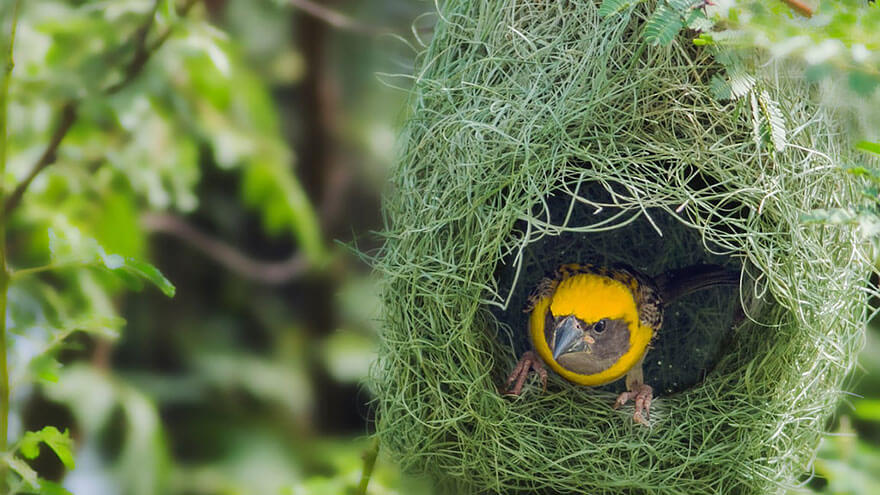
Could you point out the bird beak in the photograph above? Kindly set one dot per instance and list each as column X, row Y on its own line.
column 568, row 337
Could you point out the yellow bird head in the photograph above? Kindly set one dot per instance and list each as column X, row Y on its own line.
column 587, row 329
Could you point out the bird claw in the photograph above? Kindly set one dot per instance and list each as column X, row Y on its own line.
column 643, row 395
column 527, row 363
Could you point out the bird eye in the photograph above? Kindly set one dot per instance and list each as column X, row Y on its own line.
column 599, row 327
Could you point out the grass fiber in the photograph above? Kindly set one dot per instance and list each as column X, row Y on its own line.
column 540, row 132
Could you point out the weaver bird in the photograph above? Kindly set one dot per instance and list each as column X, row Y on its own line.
column 593, row 325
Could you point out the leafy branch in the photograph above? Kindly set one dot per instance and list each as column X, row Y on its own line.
column 68, row 114
column 29, row 446
column 129, row 270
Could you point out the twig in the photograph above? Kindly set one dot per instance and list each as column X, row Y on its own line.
column 369, row 463
column 140, row 54
column 260, row 271
column 68, row 117
column 334, row 18
column 68, row 114
column 800, row 7
column 4, row 274
column 34, row 270
column 143, row 50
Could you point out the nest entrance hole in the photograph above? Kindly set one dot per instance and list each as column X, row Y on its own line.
column 589, row 228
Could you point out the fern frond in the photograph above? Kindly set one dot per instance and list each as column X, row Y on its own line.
column 681, row 6
column 758, row 130
column 730, row 37
column 741, row 83
column 610, row 7
column 663, row 25
column 773, row 119
column 698, row 21
column 737, row 84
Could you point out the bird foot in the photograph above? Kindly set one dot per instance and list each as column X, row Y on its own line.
column 642, row 394
column 527, row 363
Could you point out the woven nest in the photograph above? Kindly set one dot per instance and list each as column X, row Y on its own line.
column 542, row 133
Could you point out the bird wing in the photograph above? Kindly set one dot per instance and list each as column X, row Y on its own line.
column 674, row 284
column 649, row 299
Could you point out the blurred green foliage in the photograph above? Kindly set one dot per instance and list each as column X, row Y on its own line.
column 849, row 457
column 239, row 386
column 190, row 113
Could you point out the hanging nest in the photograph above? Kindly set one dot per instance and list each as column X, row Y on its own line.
column 542, row 133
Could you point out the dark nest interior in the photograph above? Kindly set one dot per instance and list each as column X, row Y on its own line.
column 695, row 328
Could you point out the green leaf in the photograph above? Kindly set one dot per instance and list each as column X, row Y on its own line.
column 167, row 11
column 103, row 326
column 867, row 409
column 872, row 174
column 115, row 223
column 698, row 21
column 704, row 39
column 817, row 72
column 59, row 442
column 737, row 82
column 209, row 40
column 271, row 186
column 52, row 488
column 45, row 367
column 663, row 25
column 726, row 38
column 609, row 7
column 150, row 273
column 73, row 249
column 111, row 261
column 869, row 147
column 741, row 83
column 759, row 130
column 863, row 83
column 23, row 469
column 871, row 193
column 720, row 88
column 681, row 6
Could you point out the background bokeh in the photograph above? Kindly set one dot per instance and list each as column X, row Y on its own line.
column 246, row 160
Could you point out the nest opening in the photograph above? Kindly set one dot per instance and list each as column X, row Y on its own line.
column 588, row 227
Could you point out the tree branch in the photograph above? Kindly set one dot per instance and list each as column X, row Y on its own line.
column 143, row 50
column 799, row 7
column 69, row 111
column 272, row 273
column 68, row 117
column 334, row 18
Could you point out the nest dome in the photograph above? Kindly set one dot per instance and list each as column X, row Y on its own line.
column 541, row 133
